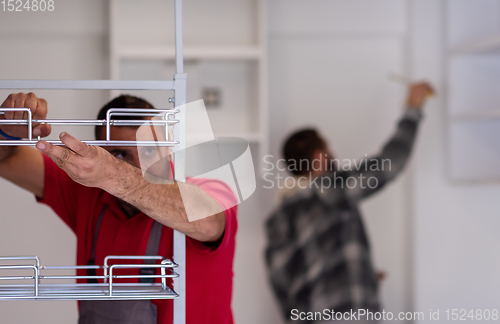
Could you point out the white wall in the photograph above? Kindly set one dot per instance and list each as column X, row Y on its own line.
column 455, row 224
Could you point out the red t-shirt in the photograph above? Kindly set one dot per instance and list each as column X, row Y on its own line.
column 209, row 271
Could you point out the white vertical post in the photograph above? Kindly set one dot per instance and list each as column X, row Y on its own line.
column 113, row 42
column 179, row 63
column 179, row 244
column 114, row 60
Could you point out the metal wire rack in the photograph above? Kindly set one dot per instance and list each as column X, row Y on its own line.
column 167, row 120
column 109, row 289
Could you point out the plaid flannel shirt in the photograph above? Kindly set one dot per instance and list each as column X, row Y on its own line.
column 318, row 254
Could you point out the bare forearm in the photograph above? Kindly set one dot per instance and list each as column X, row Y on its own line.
column 6, row 151
column 181, row 206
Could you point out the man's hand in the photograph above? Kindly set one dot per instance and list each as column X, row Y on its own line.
column 418, row 93
column 91, row 166
column 38, row 107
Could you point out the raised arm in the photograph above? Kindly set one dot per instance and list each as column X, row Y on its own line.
column 375, row 172
column 193, row 212
column 23, row 165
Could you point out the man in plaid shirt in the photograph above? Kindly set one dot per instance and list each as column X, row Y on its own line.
column 318, row 254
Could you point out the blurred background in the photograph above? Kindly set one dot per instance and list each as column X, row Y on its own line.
column 266, row 68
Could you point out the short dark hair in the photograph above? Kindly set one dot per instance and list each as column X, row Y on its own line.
column 123, row 101
column 300, row 146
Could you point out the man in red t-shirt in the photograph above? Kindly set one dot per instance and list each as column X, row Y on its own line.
column 83, row 183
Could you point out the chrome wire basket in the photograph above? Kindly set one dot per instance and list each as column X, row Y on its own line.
column 42, row 286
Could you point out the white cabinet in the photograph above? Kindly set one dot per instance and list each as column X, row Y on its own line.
column 473, row 62
column 224, row 52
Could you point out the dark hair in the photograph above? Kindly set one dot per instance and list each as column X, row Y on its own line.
column 123, row 101
column 300, row 147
